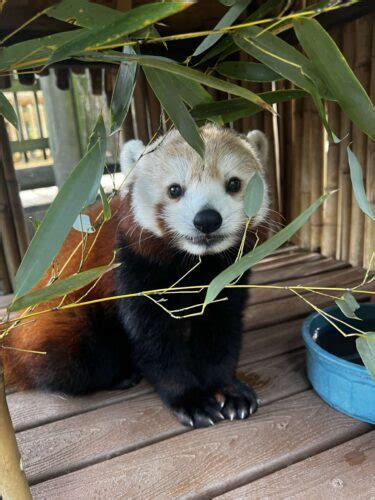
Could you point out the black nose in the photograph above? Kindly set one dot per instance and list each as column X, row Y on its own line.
column 207, row 221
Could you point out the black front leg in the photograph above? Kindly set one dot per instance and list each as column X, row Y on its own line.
column 161, row 348
column 216, row 345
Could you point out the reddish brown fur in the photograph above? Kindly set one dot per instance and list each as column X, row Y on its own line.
column 40, row 333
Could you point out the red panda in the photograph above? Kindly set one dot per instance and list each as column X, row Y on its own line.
column 175, row 208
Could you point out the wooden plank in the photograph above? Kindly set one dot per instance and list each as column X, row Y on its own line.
column 74, row 443
column 274, row 257
column 294, row 271
column 287, row 260
column 206, row 461
column 334, row 278
column 269, row 313
column 346, row 471
column 32, row 408
column 271, row 341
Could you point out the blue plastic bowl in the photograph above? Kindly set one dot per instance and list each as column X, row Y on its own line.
column 344, row 385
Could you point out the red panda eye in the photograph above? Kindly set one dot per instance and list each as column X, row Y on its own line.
column 175, row 191
column 233, row 185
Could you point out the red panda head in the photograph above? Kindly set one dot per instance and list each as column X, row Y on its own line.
column 197, row 204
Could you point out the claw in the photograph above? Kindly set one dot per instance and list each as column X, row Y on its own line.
column 220, row 398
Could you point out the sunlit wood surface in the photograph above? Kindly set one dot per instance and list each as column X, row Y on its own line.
column 125, row 444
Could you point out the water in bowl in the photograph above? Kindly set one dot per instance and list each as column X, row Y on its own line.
column 332, row 341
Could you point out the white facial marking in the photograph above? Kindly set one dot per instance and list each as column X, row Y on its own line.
column 171, row 161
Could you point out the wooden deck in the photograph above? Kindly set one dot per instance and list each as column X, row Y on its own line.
column 125, row 444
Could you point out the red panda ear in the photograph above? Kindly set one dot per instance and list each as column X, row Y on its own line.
column 130, row 153
column 259, row 142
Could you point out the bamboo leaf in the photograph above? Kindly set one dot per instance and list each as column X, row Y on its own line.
column 287, row 61
column 366, row 349
column 35, row 52
column 233, row 109
column 99, row 134
column 332, row 68
column 59, row 288
column 82, row 13
column 346, row 309
column 6, row 109
column 226, row 46
column 114, row 32
column 123, row 92
column 279, row 56
column 171, row 66
column 248, row 71
column 227, row 20
column 83, row 224
column 107, row 214
column 191, row 92
column 58, row 221
column 254, row 195
column 351, row 301
column 358, row 185
column 260, row 252
column 168, row 94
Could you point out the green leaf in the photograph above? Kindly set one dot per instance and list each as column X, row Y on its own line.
column 99, row 134
column 191, row 92
column 366, row 349
column 35, row 52
column 227, row 20
column 254, row 195
column 358, row 186
column 82, row 13
column 83, row 224
column 260, row 252
column 248, row 71
column 332, row 68
column 346, row 309
column 285, row 60
column 171, row 66
column 351, row 301
column 168, row 94
column 59, row 288
column 123, row 92
column 226, row 46
column 58, row 221
column 227, row 3
column 117, row 30
column 7, row 111
column 107, row 214
column 234, row 109
column 278, row 55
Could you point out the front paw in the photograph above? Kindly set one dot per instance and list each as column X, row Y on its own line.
column 196, row 410
column 237, row 401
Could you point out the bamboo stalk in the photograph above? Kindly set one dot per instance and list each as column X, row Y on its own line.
column 305, row 179
column 345, row 190
column 295, row 166
column 140, row 108
column 362, row 71
column 12, row 189
column 154, row 110
column 331, row 180
column 316, row 158
column 369, row 236
column 13, row 482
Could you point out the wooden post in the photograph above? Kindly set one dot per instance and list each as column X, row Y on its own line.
column 141, row 118
column 304, row 191
column 62, row 128
column 13, row 482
